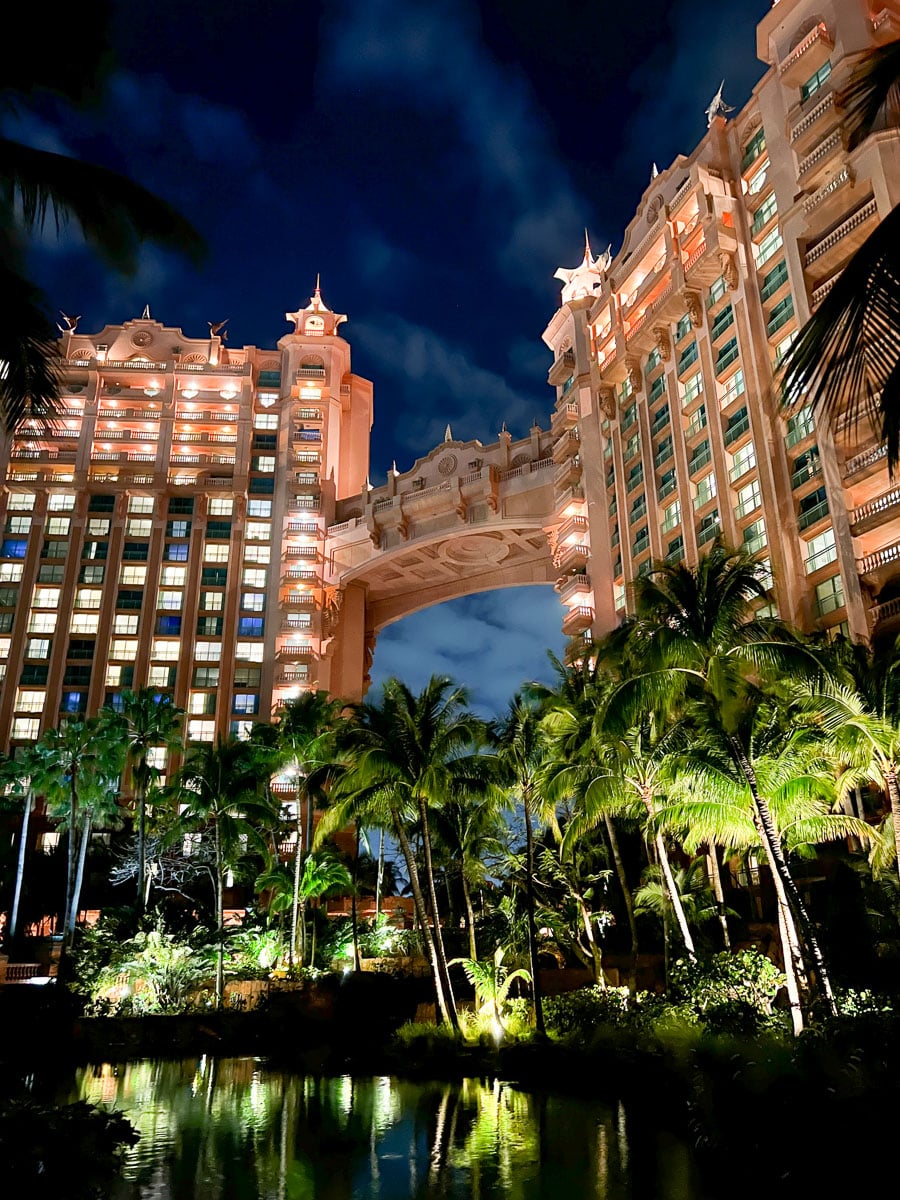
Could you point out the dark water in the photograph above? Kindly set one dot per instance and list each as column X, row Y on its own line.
column 229, row 1129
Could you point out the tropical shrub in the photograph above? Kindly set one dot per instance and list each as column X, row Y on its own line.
column 157, row 973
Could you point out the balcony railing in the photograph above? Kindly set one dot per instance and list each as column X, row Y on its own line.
column 811, row 515
column 881, row 558
column 737, row 430
column 821, row 152
column 882, row 505
column 882, row 612
column 867, row 459
column 837, row 235
column 708, row 532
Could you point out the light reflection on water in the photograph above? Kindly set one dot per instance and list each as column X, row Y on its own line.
column 230, row 1129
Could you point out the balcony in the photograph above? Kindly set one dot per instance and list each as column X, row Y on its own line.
column 572, row 557
column 307, row 575
column 289, row 676
column 872, row 563
column 562, row 368
column 566, row 446
column 807, row 56
column 735, row 430
column 568, row 474
column 809, row 121
column 570, row 586
column 295, row 652
column 293, row 553
column 882, row 508
column 316, row 373
column 699, row 461
column 574, row 527
column 862, row 465
column 306, row 527
column 708, row 532
column 565, row 417
column 843, row 241
column 578, row 619
column 880, row 614
column 812, row 516
column 572, row 495
column 811, row 168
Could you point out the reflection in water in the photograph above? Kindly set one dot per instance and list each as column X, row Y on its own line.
column 229, row 1129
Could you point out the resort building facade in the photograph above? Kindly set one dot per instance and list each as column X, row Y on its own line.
column 665, row 355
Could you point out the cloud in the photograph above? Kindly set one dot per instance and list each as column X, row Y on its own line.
column 430, row 57
column 492, row 643
column 435, row 381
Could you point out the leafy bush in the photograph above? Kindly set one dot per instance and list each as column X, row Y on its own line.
column 579, row 1012
column 416, row 1036
column 156, row 973
column 746, row 978
column 863, row 1003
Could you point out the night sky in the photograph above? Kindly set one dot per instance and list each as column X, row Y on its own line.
column 435, row 161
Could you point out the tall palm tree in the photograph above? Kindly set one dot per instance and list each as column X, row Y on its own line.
column 221, row 795
column 847, row 356
column 114, row 215
column 147, row 721
column 16, row 780
column 698, row 641
column 521, row 748
column 405, row 756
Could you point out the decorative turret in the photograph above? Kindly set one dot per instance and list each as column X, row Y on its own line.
column 317, row 319
column 587, row 277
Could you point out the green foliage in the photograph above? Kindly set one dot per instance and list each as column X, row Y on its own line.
column 50, row 1151
column 742, row 978
column 418, row 1037
column 157, row 972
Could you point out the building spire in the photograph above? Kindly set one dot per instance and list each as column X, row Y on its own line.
column 448, row 433
column 587, row 246
column 145, row 315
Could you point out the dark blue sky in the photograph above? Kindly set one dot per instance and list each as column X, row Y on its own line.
column 436, row 160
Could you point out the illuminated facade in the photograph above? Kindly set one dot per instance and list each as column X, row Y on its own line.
column 170, row 529
column 664, row 355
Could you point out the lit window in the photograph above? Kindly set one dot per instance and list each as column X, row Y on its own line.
column 820, row 551
column 250, row 626
column 749, row 499
column 249, row 651
column 157, row 757
column 242, row 729
column 85, row 623
column 769, row 245
column 208, row 651
column 706, row 489
column 245, row 702
column 133, row 574
column 161, row 677
column 178, row 529
column 259, row 531
column 30, row 702
column 113, row 675
column 5, row 644
column 46, row 597
column 37, row 648
column 743, row 461
column 165, row 649
column 10, row 572
column 26, row 729
column 171, row 601
column 258, row 554
column 125, row 623
column 202, row 704
column 18, row 525
column 125, row 648
column 265, row 420
column 201, row 731
column 829, row 596
column 176, row 551
column 253, row 601
column 21, row 502
column 59, row 526
column 206, row 677
column 138, row 527
column 140, row 504
column 693, row 387
column 259, row 508
column 98, row 527
column 173, row 576
column 254, row 578
column 219, row 506
column 42, row 622
column 215, row 552
column 212, row 601
column 264, row 463
column 60, row 502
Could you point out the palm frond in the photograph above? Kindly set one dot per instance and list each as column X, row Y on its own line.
column 869, row 90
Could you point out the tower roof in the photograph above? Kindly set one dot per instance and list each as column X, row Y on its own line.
column 584, row 279
column 317, row 318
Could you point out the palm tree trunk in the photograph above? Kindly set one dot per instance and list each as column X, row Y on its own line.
column 537, row 995
column 432, row 895
column 790, row 952
column 220, row 920
column 142, row 845
column 778, row 866
column 674, row 897
column 20, row 865
column 596, row 954
column 893, row 788
column 354, row 924
column 79, row 875
column 379, row 878
column 448, row 1014
column 712, row 858
column 70, row 858
column 621, row 876
column 470, row 916
column 295, row 903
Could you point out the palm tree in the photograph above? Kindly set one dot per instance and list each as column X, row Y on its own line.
column 147, row 721
column 847, row 356
column 322, row 875
column 114, row 215
column 405, row 756
column 15, row 778
column 220, row 791
column 521, row 748
column 698, row 641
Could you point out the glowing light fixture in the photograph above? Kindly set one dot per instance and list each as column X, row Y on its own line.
column 189, row 393
column 152, row 390
column 228, row 393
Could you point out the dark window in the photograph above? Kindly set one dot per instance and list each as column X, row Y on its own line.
column 250, row 627
column 114, row 701
column 247, row 677
column 178, row 529
column 176, row 552
column 77, row 676
column 32, row 673
column 265, row 441
column 135, row 552
column 88, row 574
column 54, row 549
column 81, row 648
column 14, row 547
column 218, row 529
column 9, row 597
column 130, row 598
column 73, row 702
column 184, row 505
column 52, row 574
column 214, row 576
column 168, row 625
column 261, row 485
column 104, row 504
column 126, row 676
column 268, row 379
column 206, row 677
column 209, row 626
column 94, row 549
column 6, row 622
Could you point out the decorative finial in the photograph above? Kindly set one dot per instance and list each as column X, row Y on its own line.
column 587, row 246
column 318, row 291
column 448, row 433
column 503, row 428
column 717, row 107
column 216, row 327
column 145, row 315
column 71, row 323
column 654, row 171
column 394, row 470
column 368, row 487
